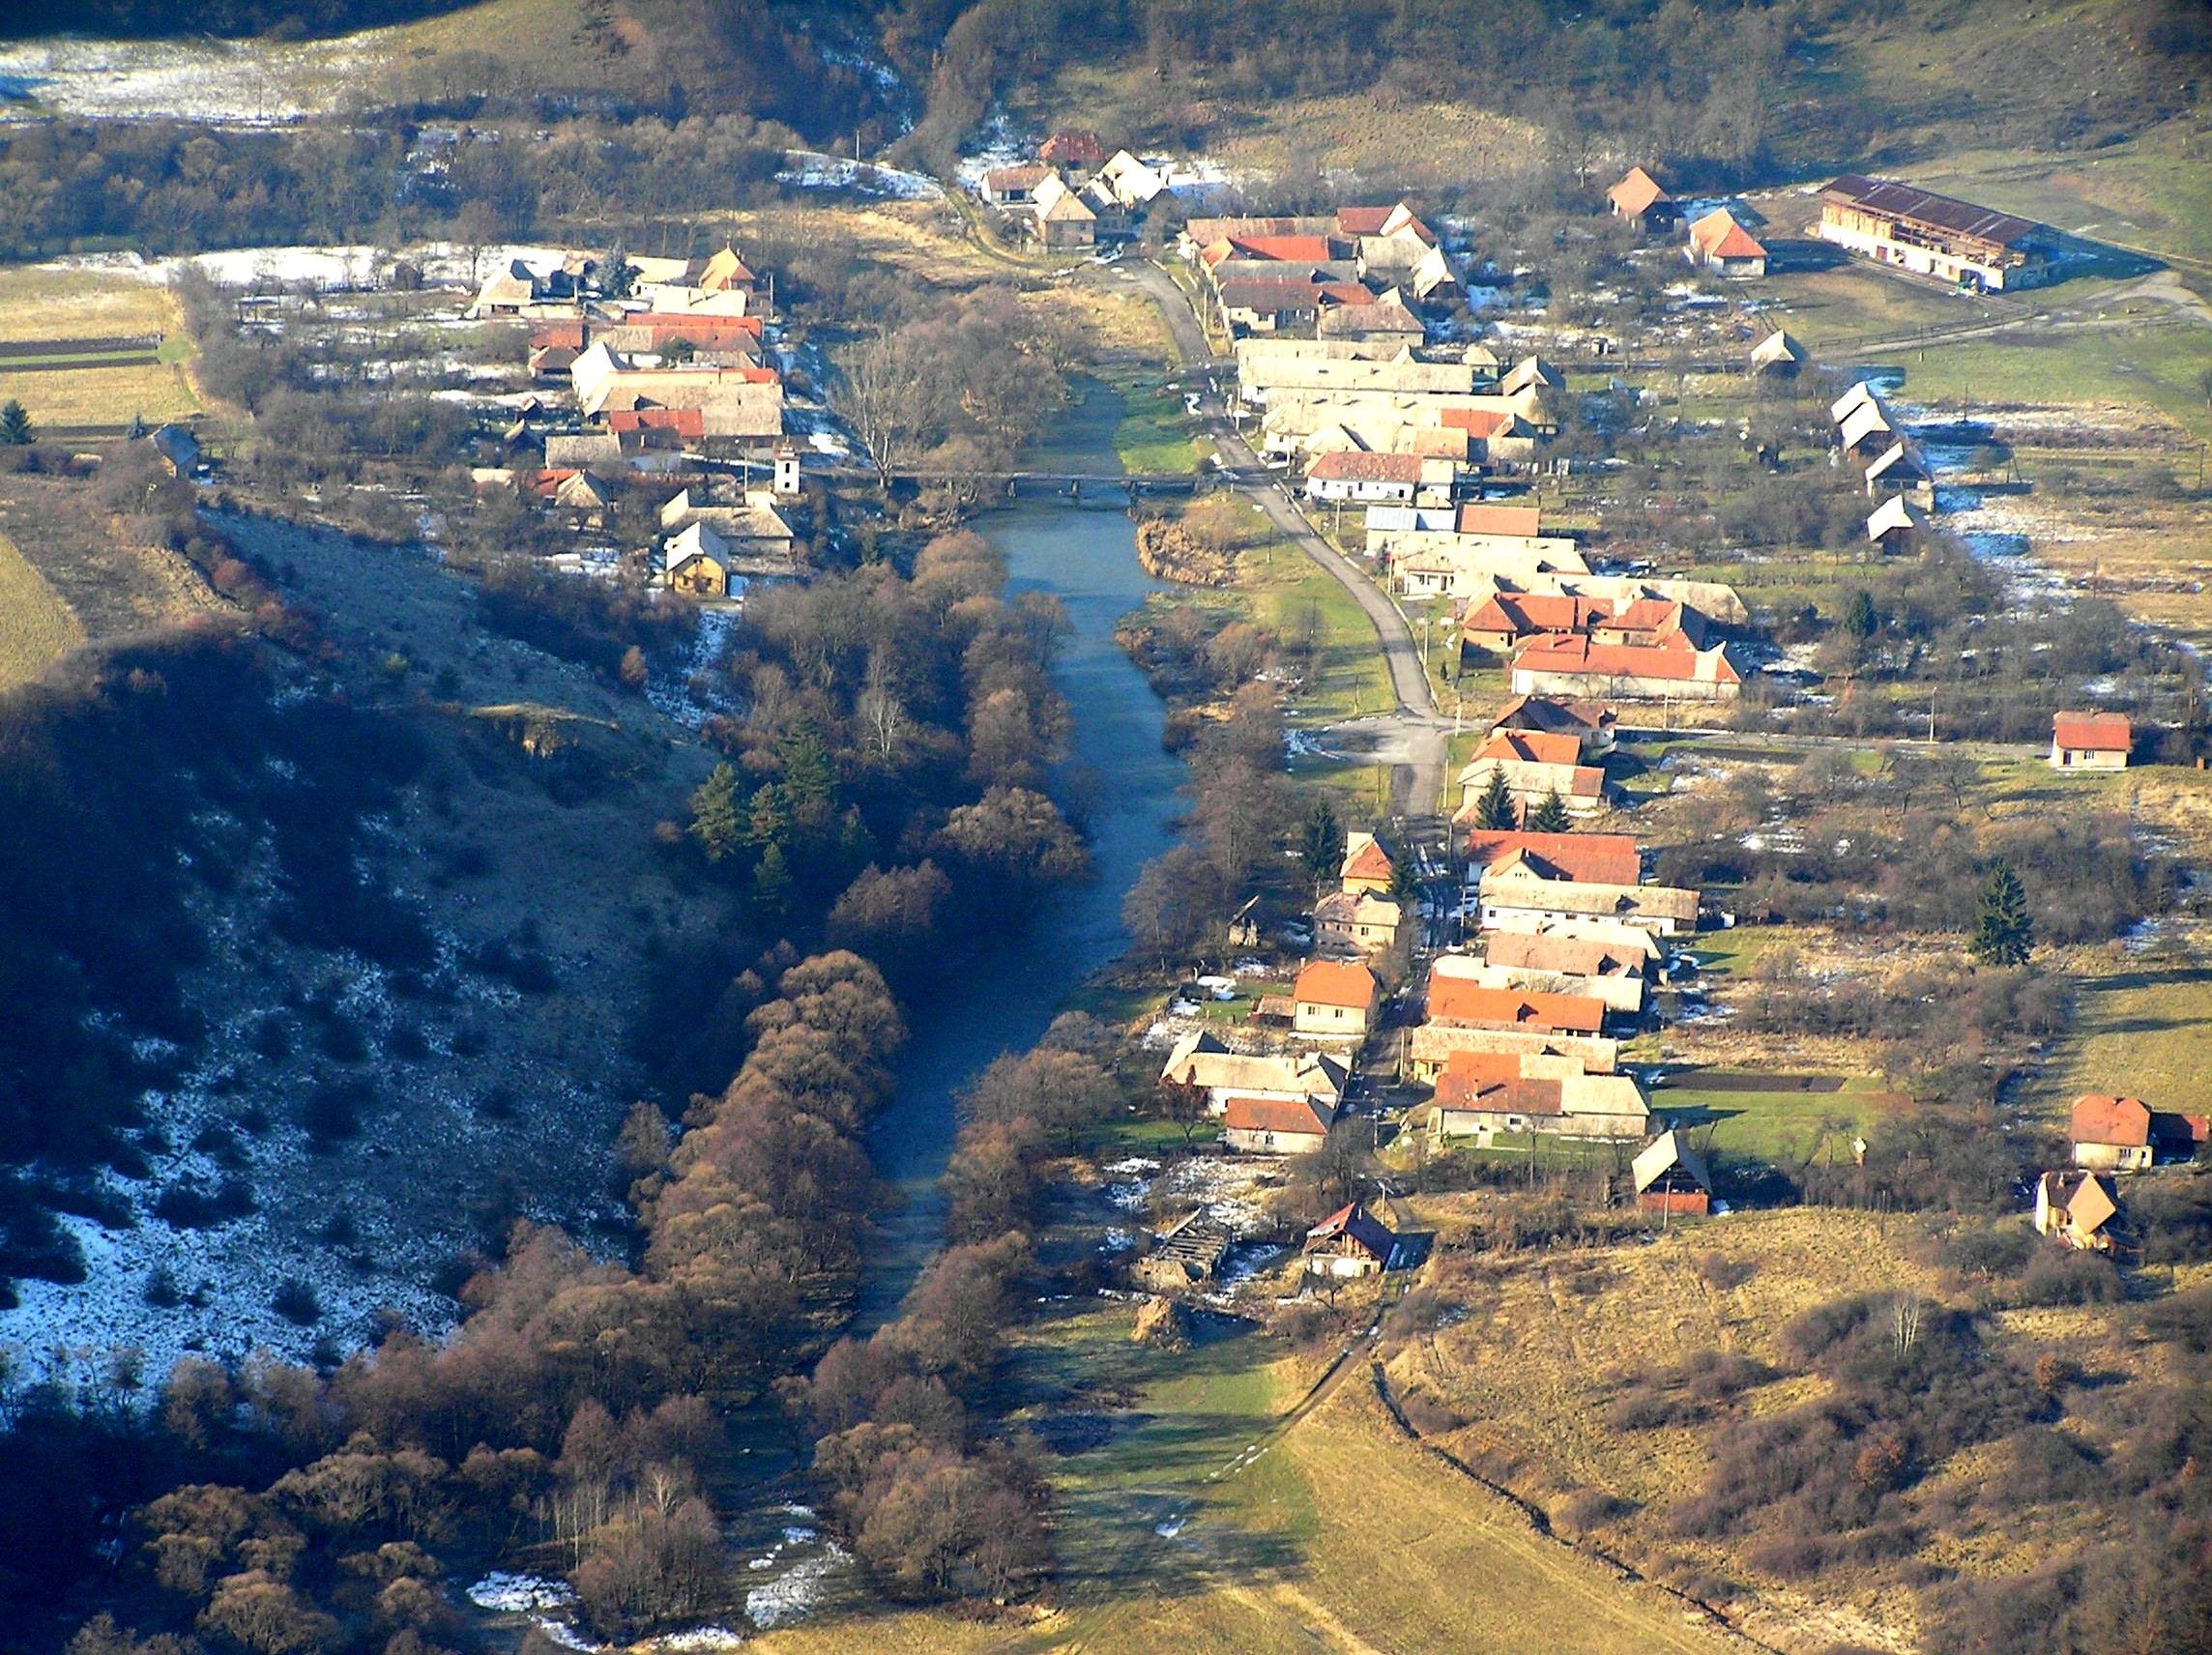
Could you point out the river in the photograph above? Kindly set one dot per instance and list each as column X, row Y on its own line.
column 1117, row 776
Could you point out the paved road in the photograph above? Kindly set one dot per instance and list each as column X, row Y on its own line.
column 1415, row 737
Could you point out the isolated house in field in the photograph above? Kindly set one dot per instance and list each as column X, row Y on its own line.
column 1356, row 924
column 2090, row 742
column 1642, row 197
column 1897, row 525
column 1203, row 1061
column 1777, row 356
column 1275, row 1126
column 1367, row 866
column 1918, row 230
column 1334, row 997
column 178, row 450
column 2111, row 1134
column 2077, row 1209
column 1535, row 768
column 1672, row 1178
column 1718, row 243
column 1350, row 1242
column 1013, row 186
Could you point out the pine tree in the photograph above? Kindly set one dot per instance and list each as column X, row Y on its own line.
column 16, row 427
column 773, row 885
column 1549, row 814
column 1321, row 847
column 714, row 814
column 1859, row 617
column 768, row 821
column 1405, row 882
column 2003, row 931
column 1494, row 810
column 809, row 782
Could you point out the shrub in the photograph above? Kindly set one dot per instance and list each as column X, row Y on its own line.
column 296, row 1301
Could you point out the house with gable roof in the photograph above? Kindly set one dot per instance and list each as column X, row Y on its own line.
column 1642, row 197
column 2090, row 740
column 1718, row 243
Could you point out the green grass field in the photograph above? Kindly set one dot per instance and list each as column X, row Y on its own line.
column 1788, row 1126
column 36, row 626
column 1154, row 434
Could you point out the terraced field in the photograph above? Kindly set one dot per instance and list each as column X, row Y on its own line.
column 36, row 626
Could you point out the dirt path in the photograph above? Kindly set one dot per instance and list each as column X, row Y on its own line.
column 1417, row 735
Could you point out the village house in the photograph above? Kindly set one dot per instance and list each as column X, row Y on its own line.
column 725, row 272
column 1334, row 997
column 1388, row 321
column 1591, row 722
column 1535, row 766
column 1864, row 432
column 1464, row 1004
column 1013, row 186
column 2077, row 1209
column 1633, row 940
column 1720, row 243
column 1898, row 525
column 1065, row 220
column 1612, row 973
column 1671, row 1178
column 1642, row 197
column 1361, row 923
column 733, row 402
column 1570, row 664
column 2091, row 741
column 1275, row 1126
column 1202, row 1061
column 696, row 563
column 1506, row 618
column 582, row 450
column 178, row 450
column 1429, row 1048
column 1477, row 1097
column 1900, row 469
column 1859, row 391
column 1128, row 181
column 1366, row 866
column 2126, row 1135
column 752, row 538
column 1602, row 859
column 1350, row 1242
column 1512, row 897
column 1778, row 356
column 1913, row 229
column 1074, row 150
column 1355, row 475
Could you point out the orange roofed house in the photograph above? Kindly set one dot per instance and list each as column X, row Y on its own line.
column 1334, row 997
column 1536, row 766
column 1276, row 1125
column 1367, row 866
column 2126, row 1135
column 1568, row 663
column 2090, row 742
column 1467, row 1004
column 1596, row 858
column 1642, row 197
column 1725, row 246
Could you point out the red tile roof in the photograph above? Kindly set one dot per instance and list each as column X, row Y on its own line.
column 1073, row 149
column 1352, row 466
column 1568, row 956
column 1290, row 1115
column 567, row 335
column 1370, row 861
column 1484, row 423
column 1530, row 747
column 1677, row 660
column 1288, row 250
column 1637, row 192
column 1456, row 1000
column 684, row 422
column 1001, row 179
column 2093, row 732
column 1718, row 235
column 1476, row 519
column 1356, row 1225
column 2122, row 1122
column 1526, row 614
column 1585, row 858
column 1506, row 1095
column 1334, row 982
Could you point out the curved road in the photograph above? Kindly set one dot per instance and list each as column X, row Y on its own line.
column 1414, row 738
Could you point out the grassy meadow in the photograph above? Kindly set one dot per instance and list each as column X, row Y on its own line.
column 36, row 625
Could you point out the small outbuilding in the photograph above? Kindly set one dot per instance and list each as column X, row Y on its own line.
column 1778, row 356
column 1672, row 1178
column 1644, row 198
column 1897, row 525
column 2090, row 742
column 1351, row 1241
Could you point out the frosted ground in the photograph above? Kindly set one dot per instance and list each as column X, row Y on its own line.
column 219, row 82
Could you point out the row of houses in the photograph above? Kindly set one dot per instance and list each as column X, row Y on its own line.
column 1890, row 461
column 1357, row 272
column 1318, row 397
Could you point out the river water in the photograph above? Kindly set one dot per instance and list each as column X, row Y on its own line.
column 1119, row 780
